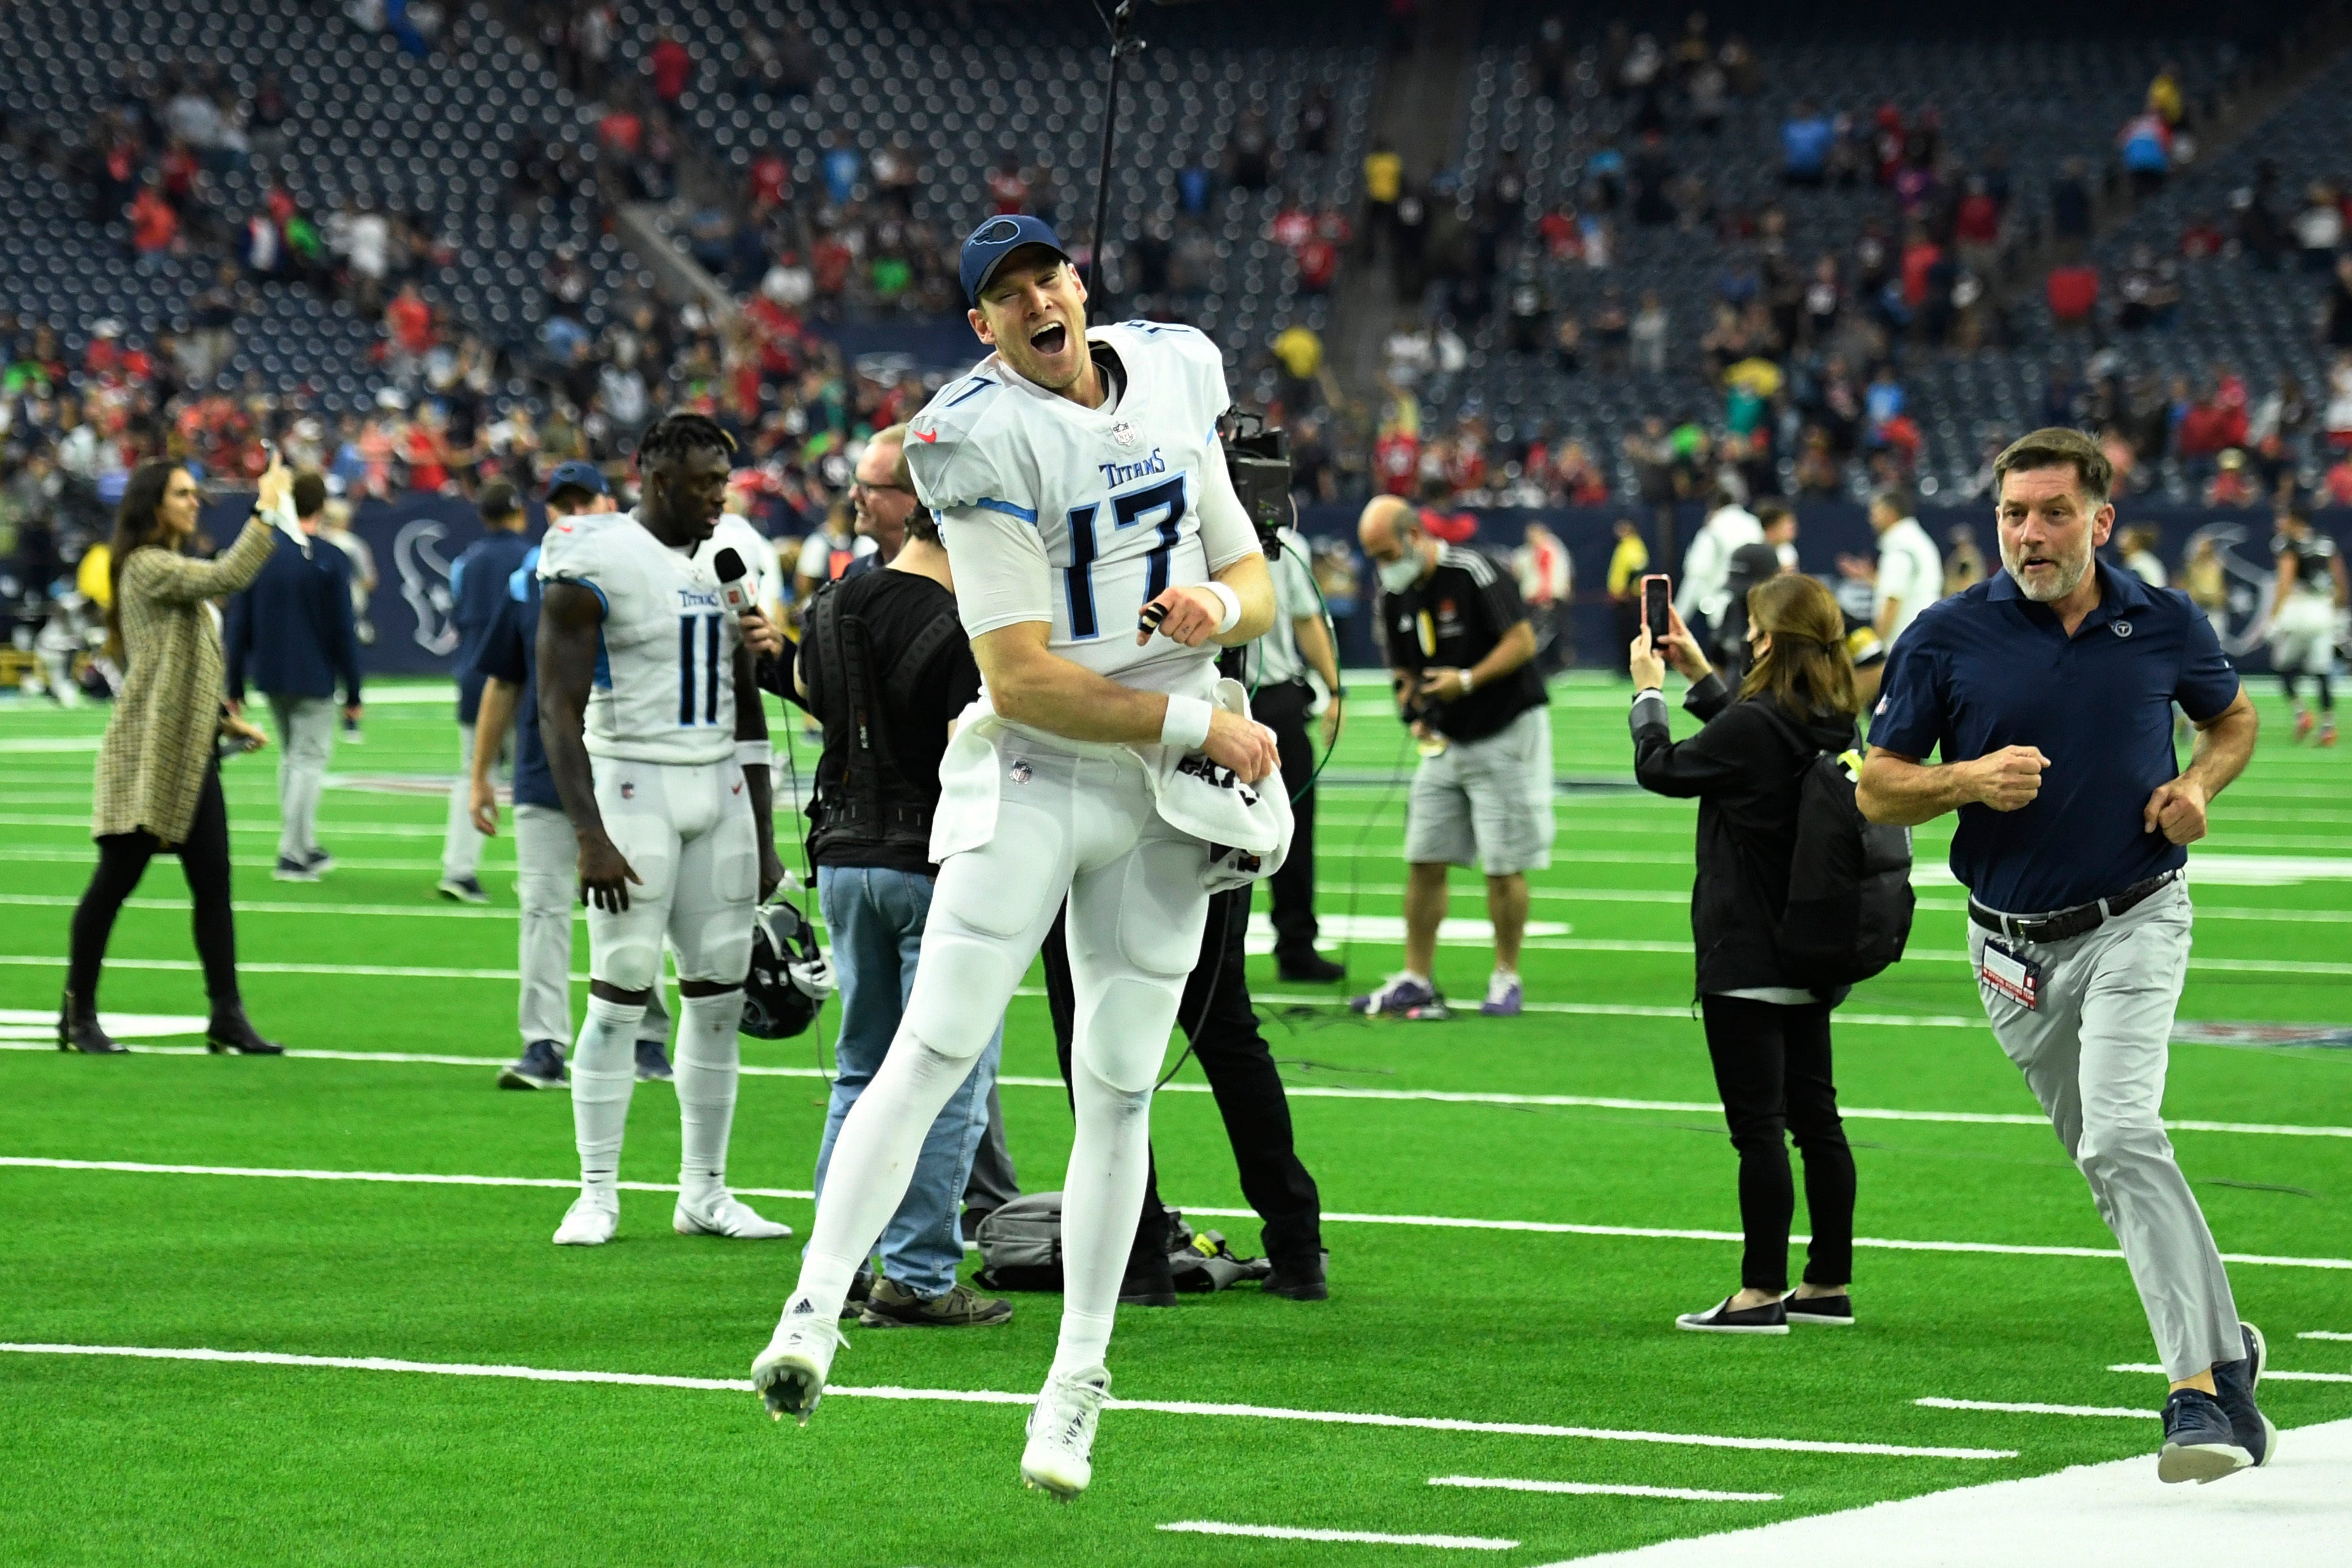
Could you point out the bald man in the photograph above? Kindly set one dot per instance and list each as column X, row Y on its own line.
column 1461, row 651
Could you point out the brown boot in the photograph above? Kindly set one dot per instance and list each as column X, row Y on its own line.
column 893, row 1306
column 78, row 1030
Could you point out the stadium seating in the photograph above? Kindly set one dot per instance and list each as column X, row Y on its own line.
column 370, row 120
column 1181, row 99
column 2034, row 104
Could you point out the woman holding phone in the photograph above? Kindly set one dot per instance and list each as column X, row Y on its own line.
column 158, row 767
column 1768, row 1036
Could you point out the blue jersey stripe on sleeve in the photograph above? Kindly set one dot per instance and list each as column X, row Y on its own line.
column 1007, row 507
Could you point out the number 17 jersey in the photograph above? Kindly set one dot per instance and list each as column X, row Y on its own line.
column 665, row 687
column 1055, row 512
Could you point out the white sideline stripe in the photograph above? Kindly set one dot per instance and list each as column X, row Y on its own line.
column 82, row 855
column 1360, row 1537
column 264, row 830
column 2270, row 1374
column 1431, row 1221
column 427, row 1179
column 2323, row 1334
column 38, row 1032
column 1596, row 1489
column 2015, row 1407
column 445, row 911
column 992, row 1396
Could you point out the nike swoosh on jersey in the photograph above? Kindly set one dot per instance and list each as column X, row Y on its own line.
column 927, row 435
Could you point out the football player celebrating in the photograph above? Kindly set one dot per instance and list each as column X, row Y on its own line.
column 1101, row 555
column 667, row 796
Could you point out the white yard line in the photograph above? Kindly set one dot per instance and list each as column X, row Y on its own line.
column 991, row 1397
column 1599, row 1489
column 40, row 1032
column 1424, row 1222
column 494, row 859
column 259, row 830
column 2017, row 1408
column 2323, row 1333
column 2295, row 1511
column 1358, row 1537
column 2270, row 1374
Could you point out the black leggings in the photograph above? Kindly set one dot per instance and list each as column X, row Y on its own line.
column 1772, row 1069
column 2327, row 693
column 122, row 860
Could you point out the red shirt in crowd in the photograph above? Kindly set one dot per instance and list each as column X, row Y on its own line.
column 153, row 223
column 1918, row 260
column 672, row 65
column 411, row 320
column 770, row 176
column 2073, row 292
column 1292, row 227
column 1979, row 220
column 1008, row 190
column 1563, row 240
column 830, row 261
column 622, row 131
column 1318, row 263
column 1396, row 458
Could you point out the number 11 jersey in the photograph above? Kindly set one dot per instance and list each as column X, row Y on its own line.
column 665, row 686
column 1055, row 512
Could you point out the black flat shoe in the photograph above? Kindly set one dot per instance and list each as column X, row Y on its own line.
column 1309, row 968
column 230, row 1030
column 78, row 1030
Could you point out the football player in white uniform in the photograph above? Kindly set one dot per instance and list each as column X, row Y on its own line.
column 1084, row 499
column 668, row 792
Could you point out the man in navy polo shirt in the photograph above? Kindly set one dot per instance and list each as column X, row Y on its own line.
column 2048, row 691
column 545, row 850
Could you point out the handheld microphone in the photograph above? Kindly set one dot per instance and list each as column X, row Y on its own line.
column 734, row 583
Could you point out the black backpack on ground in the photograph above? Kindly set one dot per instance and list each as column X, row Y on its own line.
column 1850, row 899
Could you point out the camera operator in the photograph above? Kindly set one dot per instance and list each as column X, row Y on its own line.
column 1274, row 672
column 1459, row 651
column 883, row 666
column 158, row 783
column 1769, row 1040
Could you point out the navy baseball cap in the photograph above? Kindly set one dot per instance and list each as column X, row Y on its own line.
column 578, row 472
column 987, row 247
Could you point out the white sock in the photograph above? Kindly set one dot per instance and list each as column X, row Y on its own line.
column 1419, row 979
column 603, row 1072
column 873, row 1160
column 706, row 1067
column 1505, row 977
column 1101, row 1197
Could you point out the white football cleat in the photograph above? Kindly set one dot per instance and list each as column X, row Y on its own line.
column 789, row 1376
column 724, row 1215
column 1059, row 1458
column 590, row 1221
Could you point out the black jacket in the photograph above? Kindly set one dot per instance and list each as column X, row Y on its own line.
column 1745, row 768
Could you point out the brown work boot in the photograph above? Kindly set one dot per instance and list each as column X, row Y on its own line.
column 893, row 1306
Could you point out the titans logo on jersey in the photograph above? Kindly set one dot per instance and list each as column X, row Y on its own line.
column 665, row 687
column 1117, row 504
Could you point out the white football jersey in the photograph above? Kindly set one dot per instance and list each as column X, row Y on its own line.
column 664, row 689
column 1055, row 512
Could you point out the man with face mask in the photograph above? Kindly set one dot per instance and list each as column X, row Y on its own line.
column 1461, row 651
column 2060, row 666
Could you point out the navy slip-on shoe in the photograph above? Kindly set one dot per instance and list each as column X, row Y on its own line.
column 2198, row 1445
column 2235, row 1381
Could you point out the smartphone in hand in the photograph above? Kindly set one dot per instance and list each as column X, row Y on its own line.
column 1656, row 600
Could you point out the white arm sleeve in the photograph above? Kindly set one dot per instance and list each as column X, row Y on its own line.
column 1001, row 575
column 1226, row 533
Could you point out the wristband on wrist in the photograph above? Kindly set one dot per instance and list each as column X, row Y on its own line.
column 1186, row 724
column 1233, row 604
column 1467, row 678
column 761, row 752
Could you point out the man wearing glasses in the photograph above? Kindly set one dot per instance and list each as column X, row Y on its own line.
column 882, row 500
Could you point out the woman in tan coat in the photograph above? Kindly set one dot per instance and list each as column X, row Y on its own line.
column 158, row 767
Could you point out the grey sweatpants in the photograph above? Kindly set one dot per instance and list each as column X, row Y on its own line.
column 547, row 858
column 306, row 738
column 461, row 842
column 2094, row 1052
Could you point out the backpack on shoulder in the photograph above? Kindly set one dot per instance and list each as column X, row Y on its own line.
column 1850, row 899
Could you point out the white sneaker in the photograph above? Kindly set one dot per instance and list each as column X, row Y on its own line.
column 1060, row 1456
column 590, row 1221
column 789, row 1376
column 723, row 1214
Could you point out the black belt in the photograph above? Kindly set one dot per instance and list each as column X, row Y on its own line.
column 2061, row 924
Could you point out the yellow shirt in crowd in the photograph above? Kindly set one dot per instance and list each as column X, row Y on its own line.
column 1383, row 176
column 1628, row 560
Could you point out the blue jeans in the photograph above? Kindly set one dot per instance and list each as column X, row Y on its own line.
column 874, row 918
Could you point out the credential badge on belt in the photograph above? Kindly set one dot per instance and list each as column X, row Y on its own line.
column 2012, row 974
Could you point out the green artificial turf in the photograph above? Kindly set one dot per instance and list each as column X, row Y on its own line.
column 116, row 1459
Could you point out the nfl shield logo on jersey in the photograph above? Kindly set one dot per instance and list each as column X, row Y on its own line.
column 1020, row 770
column 1124, row 433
